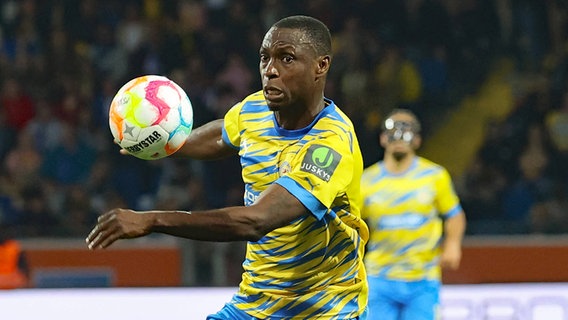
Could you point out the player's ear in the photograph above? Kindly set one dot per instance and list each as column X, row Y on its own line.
column 324, row 62
column 383, row 139
column 417, row 141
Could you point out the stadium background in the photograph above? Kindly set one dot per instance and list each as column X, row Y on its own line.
column 488, row 79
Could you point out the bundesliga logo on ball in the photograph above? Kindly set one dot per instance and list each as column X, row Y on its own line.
column 151, row 117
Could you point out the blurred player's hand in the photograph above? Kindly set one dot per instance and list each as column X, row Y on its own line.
column 451, row 256
column 118, row 224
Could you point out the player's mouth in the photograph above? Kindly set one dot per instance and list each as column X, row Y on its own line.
column 273, row 93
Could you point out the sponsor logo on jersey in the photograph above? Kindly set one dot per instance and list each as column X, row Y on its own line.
column 250, row 196
column 321, row 161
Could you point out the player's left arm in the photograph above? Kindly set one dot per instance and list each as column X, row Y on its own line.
column 454, row 229
column 454, row 222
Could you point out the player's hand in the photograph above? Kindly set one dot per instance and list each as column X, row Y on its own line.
column 451, row 256
column 122, row 150
column 118, row 224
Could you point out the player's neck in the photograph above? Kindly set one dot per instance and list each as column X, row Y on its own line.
column 291, row 120
column 397, row 166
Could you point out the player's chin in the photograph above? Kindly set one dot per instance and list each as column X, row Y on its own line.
column 275, row 105
column 275, row 101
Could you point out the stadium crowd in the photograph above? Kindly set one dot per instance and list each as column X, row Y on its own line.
column 61, row 62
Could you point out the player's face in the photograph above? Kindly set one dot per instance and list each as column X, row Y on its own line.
column 288, row 65
column 400, row 137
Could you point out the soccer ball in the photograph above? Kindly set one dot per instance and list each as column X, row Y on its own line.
column 150, row 117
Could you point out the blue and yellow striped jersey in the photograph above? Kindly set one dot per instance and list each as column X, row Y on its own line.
column 312, row 268
column 405, row 213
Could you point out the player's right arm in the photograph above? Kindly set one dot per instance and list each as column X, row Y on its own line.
column 206, row 143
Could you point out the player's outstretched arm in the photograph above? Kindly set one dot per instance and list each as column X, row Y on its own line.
column 275, row 208
column 206, row 143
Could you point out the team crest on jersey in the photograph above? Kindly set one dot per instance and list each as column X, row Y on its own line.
column 284, row 168
column 321, row 161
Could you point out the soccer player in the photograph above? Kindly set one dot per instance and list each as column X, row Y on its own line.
column 416, row 224
column 301, row 166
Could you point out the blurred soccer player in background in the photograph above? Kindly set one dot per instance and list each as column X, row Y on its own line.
column 416, row 224
column 301, row 166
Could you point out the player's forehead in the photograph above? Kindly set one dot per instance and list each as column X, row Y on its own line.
column 278, row 38
column 402, row 117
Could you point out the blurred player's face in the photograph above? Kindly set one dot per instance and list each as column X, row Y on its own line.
column 288, row 68
column 400, row 138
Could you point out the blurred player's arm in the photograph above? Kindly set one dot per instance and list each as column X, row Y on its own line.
column 454, row 229
column 274, row 208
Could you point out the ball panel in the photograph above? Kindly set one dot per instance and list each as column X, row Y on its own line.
column 171, row 121
column 145, row 113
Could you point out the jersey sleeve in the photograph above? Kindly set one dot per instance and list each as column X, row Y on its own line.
column 321, row 170
column 447, row 200
column 231, row 126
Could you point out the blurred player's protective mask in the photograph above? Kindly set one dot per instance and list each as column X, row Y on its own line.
column 400, row 130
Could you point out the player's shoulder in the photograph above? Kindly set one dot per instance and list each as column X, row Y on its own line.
column 333, row 113
column 332, row 121
column 250, row 106
column 372, row 171
column 427, row 164
column 255, row 98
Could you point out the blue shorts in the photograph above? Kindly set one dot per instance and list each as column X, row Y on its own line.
column 229, row 312
column 401, row 300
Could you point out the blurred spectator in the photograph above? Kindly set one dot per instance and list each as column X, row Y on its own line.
column 37, row 220
column 481, row 190
column 398, row 81
column 551, row 215
column 557, row 126
column 14, row 270
column 45, row 128
column 533, row 184
column 70, row 162
column 7, row 136
column 16, row 105
column 23, row 162
column 236, row 75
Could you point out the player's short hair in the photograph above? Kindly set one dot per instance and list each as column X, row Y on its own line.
column 317, row 31
column 416, row 123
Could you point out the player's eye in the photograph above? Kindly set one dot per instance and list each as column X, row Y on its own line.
column 287, row 59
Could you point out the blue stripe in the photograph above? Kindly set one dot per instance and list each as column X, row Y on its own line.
column 457, row 209
column 226, row 139
column 305, row 197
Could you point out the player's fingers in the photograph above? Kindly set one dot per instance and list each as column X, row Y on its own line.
column 101, row 230
column 108, row 239
column 103, row 236
column 94, row 238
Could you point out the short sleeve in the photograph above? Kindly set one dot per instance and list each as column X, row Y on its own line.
column 447, row 200
column 320, row 171
column 231, row 127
